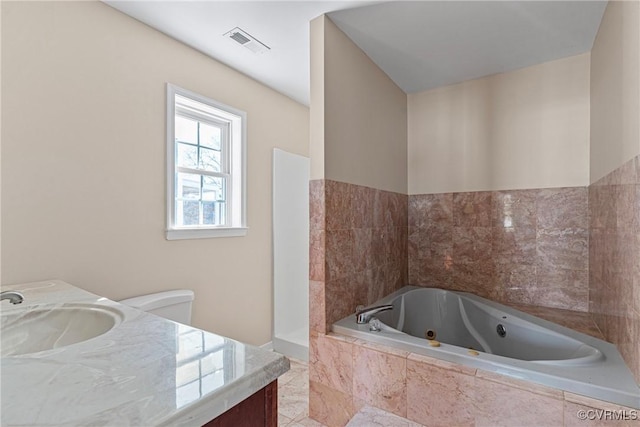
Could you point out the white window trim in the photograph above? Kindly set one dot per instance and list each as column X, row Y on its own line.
column 239, row 208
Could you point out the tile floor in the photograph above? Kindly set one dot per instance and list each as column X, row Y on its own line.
column 293, row 397
column 293, row 404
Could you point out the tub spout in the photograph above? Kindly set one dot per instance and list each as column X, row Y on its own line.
column 364, row 315
column 13, row 297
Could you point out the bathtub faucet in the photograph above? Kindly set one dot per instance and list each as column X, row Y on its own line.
column 364, row 315
column 13, row 297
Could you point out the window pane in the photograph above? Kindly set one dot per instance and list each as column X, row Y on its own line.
column 190, row 213
column 186, row 130
column 187, row 155
column 210, row 160
column 208, row 213
column 213, row 189
column 210, row 136
column 213, row 213
column 188, row 186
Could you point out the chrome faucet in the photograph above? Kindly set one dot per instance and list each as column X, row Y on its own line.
column 364, row 315
column 13, row 297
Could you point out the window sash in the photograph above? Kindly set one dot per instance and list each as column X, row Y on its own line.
column 224, row 126
column 203, row 172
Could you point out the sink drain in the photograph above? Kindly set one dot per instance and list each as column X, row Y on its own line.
column 501, row 330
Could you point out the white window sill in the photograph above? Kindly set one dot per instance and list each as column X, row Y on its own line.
column 205, row 233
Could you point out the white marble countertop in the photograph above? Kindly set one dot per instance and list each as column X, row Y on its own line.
column 146, row 371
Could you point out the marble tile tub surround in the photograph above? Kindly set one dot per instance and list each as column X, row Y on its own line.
column 138, row 373
column 358, row 251
column 554, row 215
column 293, row 404
column 526, row 247
column 614, row 259
column 348, row 374
column 521, row 246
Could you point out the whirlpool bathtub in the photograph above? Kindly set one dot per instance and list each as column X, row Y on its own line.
column 486, row 335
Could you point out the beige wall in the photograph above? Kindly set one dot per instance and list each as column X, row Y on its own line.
column 615, row 89
column 83, row 163
column 0, row 143
column 527, row 128
column 316, row 101
column 365, row 115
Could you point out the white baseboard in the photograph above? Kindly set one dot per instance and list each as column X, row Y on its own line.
column 291, row 349
column 268, row 346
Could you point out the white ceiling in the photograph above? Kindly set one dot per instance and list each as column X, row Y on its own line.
column 281, row 25
column 426, row 44
column 419, row 44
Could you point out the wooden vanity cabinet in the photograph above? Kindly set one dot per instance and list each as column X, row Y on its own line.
column 259, row 409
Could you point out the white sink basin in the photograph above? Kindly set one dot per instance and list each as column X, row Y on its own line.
column 41, row 328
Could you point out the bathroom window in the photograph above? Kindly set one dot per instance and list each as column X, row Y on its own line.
column 206, row 143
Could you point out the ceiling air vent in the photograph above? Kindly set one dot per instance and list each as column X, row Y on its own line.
column 248, row 41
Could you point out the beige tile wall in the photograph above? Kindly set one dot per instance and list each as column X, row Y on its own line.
column 614, row 259
column 521, row 246
column 358, row 250
column 550, row 233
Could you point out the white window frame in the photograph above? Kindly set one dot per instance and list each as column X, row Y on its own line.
column 236, row 158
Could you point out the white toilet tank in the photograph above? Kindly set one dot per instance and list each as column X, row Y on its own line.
column 172, row 305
